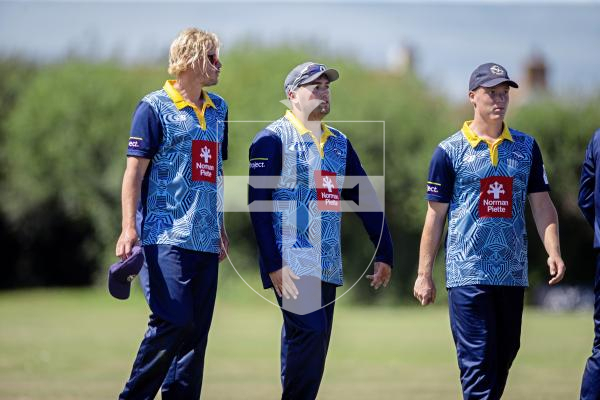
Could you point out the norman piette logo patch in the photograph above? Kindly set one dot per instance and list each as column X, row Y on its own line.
column 204, row 160
column 328, row 194
column 495, row 199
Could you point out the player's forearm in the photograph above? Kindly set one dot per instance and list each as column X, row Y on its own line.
column 129, row 198
column 548, row 232
column 546, row 220
column 552, row 241
column 130, row 191
column 430, row 241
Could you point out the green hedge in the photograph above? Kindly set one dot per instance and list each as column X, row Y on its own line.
column 65, row 127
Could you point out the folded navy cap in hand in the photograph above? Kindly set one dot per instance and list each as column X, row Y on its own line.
column 123, row 272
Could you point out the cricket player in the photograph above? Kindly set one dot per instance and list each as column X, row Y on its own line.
column 172, row 180
column 589, row 202
column 300, row 172
column 480, row 179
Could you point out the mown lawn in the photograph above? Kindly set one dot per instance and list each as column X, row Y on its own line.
column 79, row 344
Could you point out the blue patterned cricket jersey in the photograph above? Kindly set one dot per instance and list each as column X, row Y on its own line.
column 487, row 187
column 181, row 198
column 307, row 230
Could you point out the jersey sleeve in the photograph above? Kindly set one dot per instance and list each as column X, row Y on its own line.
column 440, row 181
column 224, row 146
column 374, row 221
column 538, row 181
column 146, row 132
column 265, row 158
column 587, row 183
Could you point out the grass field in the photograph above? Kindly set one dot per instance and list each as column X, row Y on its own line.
column 79, row 344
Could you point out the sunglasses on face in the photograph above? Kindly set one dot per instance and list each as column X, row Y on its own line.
column 306, row 72
column 213, row 58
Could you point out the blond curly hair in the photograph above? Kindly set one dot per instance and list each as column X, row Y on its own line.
column 189, row 46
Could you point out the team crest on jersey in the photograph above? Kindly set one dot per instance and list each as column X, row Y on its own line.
column 204, row 160
column 328, row 194
column 495, row 198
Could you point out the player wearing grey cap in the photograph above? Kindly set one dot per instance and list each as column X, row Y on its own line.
column 299, row 174
column 480, row 178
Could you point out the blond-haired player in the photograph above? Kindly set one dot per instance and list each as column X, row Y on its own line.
column 170, row 198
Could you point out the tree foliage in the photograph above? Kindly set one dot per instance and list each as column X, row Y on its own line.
column 64, row 134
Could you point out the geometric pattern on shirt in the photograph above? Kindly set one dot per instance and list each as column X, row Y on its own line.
column 305, row 234
column 180, row 211
column 487, row 251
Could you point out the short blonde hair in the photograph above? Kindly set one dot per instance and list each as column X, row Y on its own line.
column 189, row 46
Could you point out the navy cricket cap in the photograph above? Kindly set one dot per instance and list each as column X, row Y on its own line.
column 308, row 72
column 490, row 75
column 123, row 272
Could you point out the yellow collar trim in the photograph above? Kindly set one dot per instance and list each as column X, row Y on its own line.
column 180, row 103
column 474, row 140
column 302, row 130
column 178, row 98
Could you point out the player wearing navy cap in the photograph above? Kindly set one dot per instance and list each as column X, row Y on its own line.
column 301, row 171
column 480, row 178
column 173, row 180
column 589, row 202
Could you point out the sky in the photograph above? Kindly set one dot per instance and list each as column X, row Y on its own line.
column 449, row 38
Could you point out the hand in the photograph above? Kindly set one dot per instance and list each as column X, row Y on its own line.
column 557, row 269
column 424, row 290
column 127, row 240
column 381, row 276
column 283, row 282
column 224, row 245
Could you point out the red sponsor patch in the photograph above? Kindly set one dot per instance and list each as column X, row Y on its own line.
column 495, row 199
column 328, row 194
column 204, row 160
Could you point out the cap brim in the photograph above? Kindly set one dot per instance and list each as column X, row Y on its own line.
column 498, row 81
column 119, row 290
column 131, row 266
column 331, row 74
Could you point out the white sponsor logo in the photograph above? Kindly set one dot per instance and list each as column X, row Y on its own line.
column 205, row 169
column 518, row 155
column 205, row 153
column 257, row 164
column 432, row 189
column 180, row 117
column 495, row 206
column 328, row 184
column 496, row 70
column 496, row 189
column 134, row 143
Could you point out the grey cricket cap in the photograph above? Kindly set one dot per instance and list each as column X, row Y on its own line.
column 308, row 72
column 490, row 75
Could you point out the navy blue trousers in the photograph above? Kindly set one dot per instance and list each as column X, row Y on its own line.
column 180, row 286
column 305, row 341
column 590, row 385
column 486, row 326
